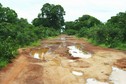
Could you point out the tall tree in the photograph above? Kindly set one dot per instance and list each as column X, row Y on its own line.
column 86, row 21
column 51, row 16
column 119, row 21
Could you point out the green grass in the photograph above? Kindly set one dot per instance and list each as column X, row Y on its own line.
column 121, row 47
column 3, row 63
column 36, row 43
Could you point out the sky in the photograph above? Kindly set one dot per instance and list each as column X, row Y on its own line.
column 101, row 9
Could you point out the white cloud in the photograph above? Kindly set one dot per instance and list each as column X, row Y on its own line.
column 101, row 9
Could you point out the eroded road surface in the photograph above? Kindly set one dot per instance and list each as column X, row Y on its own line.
column 66, row 60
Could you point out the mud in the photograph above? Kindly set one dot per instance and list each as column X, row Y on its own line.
column 55, row 65
column 121, row 63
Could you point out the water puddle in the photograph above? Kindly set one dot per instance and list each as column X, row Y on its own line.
column 94, row 81
column 75, row 52
column 71, row 60
column 36, row 55
column 118, row 76
column 63, row 38
column 39, row 53
column 77, row 73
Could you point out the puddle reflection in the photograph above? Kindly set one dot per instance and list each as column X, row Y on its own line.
column 75, row 52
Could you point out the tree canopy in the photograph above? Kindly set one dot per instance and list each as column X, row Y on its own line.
column 119, row 22
column 111, row 34
column 86, row 21
column 51, row 16
column 7, row 15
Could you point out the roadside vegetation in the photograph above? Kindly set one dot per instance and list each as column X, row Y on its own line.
column 111, row 34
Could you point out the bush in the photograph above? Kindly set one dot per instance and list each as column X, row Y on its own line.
column 12, row 37
column 7, row 52
column 83, row 32
column 71, row 32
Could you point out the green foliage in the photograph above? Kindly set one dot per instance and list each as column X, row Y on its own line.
column 119, row 21
column 3, row 63
column 86, row 21
column 13, row 36
column 51, row 16
column 70, row 25
column 70, row 32
column 83, row 32
column 81, row 26
column 112, row 34
column 7, row 52
column 7, row 15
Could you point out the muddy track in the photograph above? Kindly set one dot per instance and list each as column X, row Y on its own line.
column 51, row 63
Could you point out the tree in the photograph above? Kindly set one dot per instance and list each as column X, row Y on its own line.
column 7, row 15
column 37, row 22
column 82, row 23
column 88, row 21
column 51, row 16
column 119, row 21
column 70, row 25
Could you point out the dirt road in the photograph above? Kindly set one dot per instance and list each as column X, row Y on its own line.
column 51, row 63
